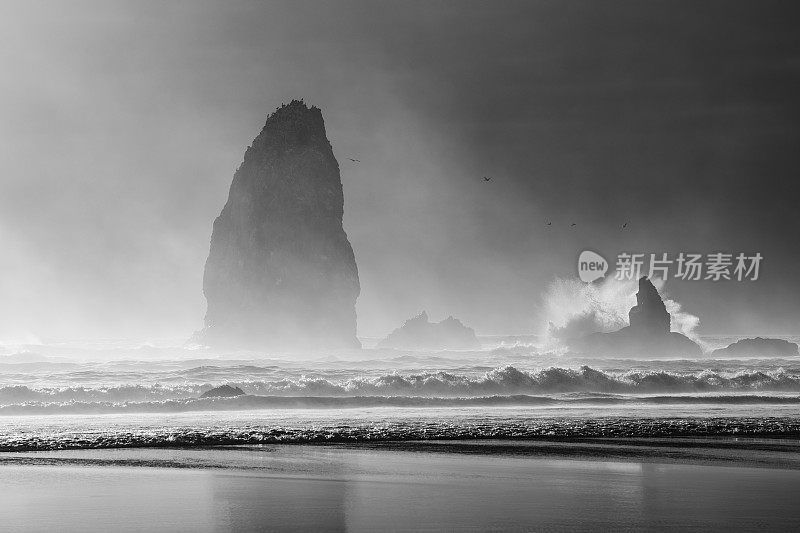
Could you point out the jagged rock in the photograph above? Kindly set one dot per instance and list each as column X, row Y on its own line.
column 648, row 334
column 758, row 347
column 281, row 273
column 419, row 333
column 649, row 316
column 223, row 391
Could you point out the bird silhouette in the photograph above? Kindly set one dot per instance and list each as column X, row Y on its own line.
column 625, row 225
column 549, row 223
column 573, row 224
column 487, row 178
column 354, row 160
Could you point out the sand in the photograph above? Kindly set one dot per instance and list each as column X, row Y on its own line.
column 390, row 488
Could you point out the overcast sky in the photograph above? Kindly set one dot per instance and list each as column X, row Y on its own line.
column 121, row 124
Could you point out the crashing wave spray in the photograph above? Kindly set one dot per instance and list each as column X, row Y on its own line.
column 574, row 309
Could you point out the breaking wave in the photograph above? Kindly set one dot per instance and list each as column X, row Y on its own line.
column 242, row 403
column 503, row 381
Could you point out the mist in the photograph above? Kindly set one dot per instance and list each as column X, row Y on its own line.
column 123, row 123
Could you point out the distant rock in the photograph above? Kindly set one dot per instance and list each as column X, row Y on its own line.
column 223, row 391
column 759, row 347
column 648, row 334
column 419, row 333
column 281, row 273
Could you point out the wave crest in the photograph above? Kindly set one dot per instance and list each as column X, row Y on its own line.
column 506, row 380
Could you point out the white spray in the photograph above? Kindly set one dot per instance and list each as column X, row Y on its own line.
column 573, row 308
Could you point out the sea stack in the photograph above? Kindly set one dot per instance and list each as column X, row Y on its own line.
column 281, row 273
column 419, row 333
column 648, row 334
column 758, row 347
column 649, row 316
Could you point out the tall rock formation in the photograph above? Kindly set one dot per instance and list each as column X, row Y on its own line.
column 281, row 273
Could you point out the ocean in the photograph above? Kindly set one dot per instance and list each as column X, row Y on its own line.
column 114, row 394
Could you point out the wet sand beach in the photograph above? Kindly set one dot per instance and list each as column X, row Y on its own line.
column 476, row 486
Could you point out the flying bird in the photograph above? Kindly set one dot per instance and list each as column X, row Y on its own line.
column 573, row 224
column 625, row 225
column 485, row 178
column 354, row 160
column 549, row 223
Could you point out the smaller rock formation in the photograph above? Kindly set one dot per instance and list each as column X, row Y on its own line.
column 648, row 335
column 649, row 316
column 758, row 347
column 224, row 391
column 419, row 333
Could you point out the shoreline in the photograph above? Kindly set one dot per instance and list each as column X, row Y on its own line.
column 750, row 452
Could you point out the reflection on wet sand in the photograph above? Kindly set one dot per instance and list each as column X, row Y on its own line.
column 335, row 488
